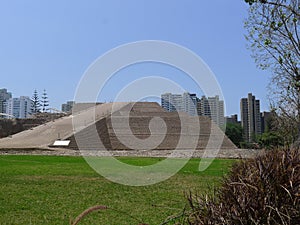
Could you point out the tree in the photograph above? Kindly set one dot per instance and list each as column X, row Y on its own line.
column 235, row 133
column 35, row 105
column 270, row 140
column 285, row 128
column 274, row 36
column 45, row 101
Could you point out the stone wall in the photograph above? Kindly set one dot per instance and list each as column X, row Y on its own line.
column 12, row 126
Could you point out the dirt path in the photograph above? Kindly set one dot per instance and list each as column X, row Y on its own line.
column 224, row 153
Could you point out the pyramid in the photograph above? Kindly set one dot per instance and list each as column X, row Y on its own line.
column 146, row 126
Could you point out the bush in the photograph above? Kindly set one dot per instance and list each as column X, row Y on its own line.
column 264, row 190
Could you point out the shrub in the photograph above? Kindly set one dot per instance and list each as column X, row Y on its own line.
column 264, row 190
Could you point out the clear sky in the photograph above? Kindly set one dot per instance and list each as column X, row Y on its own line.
column 50, row 44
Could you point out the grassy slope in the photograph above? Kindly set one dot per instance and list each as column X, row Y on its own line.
column 51, row 190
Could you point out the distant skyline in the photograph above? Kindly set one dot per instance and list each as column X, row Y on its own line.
column 50, row 44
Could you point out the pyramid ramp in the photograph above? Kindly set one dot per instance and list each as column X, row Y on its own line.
column 45, row 135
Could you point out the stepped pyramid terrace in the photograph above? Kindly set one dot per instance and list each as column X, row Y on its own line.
column 124, row 129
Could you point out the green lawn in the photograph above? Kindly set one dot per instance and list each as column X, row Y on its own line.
column 52, row 190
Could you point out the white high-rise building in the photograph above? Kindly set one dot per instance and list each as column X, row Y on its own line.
column 190, row 103
column 217, row 110
column 212, row 107
column 4, row 96
column 19, row 107
column 181, row 103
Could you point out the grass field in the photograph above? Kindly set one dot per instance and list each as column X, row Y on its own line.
column 53, row 190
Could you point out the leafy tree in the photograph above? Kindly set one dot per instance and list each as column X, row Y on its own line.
column 35, row 103
column 270, row 139
column 235, row 133
column 274, row 36
column 45, row 101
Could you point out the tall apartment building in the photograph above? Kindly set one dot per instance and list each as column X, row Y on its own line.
column 67, row 107
column 232, row 119
column 181, row 103
column 212, row 107
column 203, row 108
column 4, row 96
column 250, row 117
column 19, row 107
column 190, row 103
column 266, row 121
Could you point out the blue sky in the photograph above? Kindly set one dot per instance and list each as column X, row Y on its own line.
column 50, row 44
